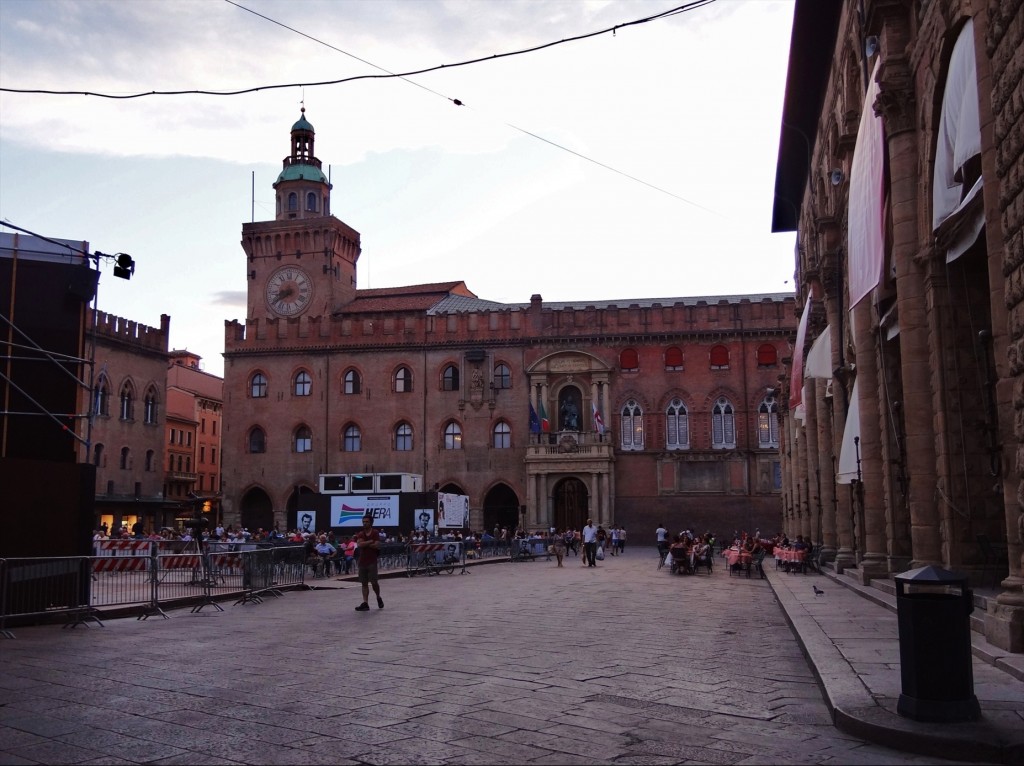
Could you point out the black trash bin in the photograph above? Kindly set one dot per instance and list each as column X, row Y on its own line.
column 933, row 606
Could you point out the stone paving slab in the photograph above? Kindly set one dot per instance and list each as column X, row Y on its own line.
column 862, row 683
column 514, row 663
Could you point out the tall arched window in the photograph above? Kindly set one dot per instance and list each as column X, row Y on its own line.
column 767, row 355
column 150, row 462
column 127, row 402
column 293, row 202
column 257, row 440
column 303, row 439
column 403, row 380
column 502, row 376
column 719, row 358
column 311, row 201
column 353, row 441
column 403, row 437
column 97, row 455
column 303, row 383
column 101, row 397
column 450, row 378
column 723, row 425
column 632, row 426
column 125, row 452
column 453, row 436
column 629, row 360
column 768, row 423
column 673, row 358
column 351, row 382
column 258, row 386
column 677, row 425
column 502, row 435
column 149, row 407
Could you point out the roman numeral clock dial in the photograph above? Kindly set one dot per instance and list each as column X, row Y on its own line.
column 289, row 291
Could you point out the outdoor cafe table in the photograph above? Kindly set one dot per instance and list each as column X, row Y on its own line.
column 788, row 557
column 735, row 556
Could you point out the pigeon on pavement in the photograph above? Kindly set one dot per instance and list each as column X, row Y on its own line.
column 817, row 591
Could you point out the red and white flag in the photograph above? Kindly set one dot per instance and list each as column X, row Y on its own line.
column 598, row 423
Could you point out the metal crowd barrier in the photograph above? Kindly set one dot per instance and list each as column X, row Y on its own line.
column 144, row 576
column 39, row 587
column 148, row 575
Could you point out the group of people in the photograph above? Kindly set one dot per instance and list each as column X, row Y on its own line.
column 689, row 552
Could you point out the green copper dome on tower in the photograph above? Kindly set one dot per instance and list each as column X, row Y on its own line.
column 301, row 164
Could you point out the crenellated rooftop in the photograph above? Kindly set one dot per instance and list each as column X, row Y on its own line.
column 459, row 319
column 129, row 332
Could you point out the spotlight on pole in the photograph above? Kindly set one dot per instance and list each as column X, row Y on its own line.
column 124, row 266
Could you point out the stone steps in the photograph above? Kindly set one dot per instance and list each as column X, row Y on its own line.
column 882, row 591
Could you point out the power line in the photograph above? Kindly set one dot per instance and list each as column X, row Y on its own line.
column 387, row 75
column 529, row 133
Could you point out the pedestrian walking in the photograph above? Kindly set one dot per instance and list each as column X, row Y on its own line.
column 590, row 544
column 368, row 550
column 662, row 538
column 558, row 547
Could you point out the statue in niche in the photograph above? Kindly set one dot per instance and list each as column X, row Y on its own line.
column 570, row 415
column 477, row 381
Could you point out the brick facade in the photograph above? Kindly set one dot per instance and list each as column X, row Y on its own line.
column 934, row 347
column 459, row 371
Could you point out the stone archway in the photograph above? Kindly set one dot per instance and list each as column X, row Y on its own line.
column 501, row 509
column 256, row 510
column 572, row 503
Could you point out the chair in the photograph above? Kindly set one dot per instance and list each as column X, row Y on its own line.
column 703, row 561
column 759, row 563
column 680, row 561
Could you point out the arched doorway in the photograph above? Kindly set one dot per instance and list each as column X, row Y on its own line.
column 572, row 503
column 501, row 509
column 256, row 510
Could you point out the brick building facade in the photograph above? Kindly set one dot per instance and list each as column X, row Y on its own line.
column 900, row 168
column 127, row 414
column 323, row 377
column 195, row 404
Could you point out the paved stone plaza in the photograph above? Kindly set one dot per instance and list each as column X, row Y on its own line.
column 509, row 663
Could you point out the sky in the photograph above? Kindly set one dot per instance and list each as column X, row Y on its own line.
column 634, row 164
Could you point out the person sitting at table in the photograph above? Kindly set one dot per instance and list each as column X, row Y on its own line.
column 800, row 544
column 680, row 553
column 700, row 551
column 748, row 545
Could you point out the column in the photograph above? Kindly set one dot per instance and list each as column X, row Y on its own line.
column 813, row 470
column 874, row 562
column 798, row 458
column 826, row 471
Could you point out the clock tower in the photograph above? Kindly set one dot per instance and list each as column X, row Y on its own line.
column 303, row 263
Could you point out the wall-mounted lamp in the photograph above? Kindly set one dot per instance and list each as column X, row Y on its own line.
column 836, row 177
column 871, row 46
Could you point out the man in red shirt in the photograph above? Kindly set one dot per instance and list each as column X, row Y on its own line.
column 367, row 550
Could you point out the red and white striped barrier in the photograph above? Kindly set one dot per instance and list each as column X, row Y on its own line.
column 426, row 547
column 123, row 547
column 180, row 562
column 120, row 564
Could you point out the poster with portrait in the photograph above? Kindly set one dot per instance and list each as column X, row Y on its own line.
column 423, row 519
column 307, row 521
column 452, row 511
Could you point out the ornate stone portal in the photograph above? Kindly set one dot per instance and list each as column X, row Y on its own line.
column 569, row 385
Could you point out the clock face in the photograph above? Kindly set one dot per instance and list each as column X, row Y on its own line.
column 289, row 291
